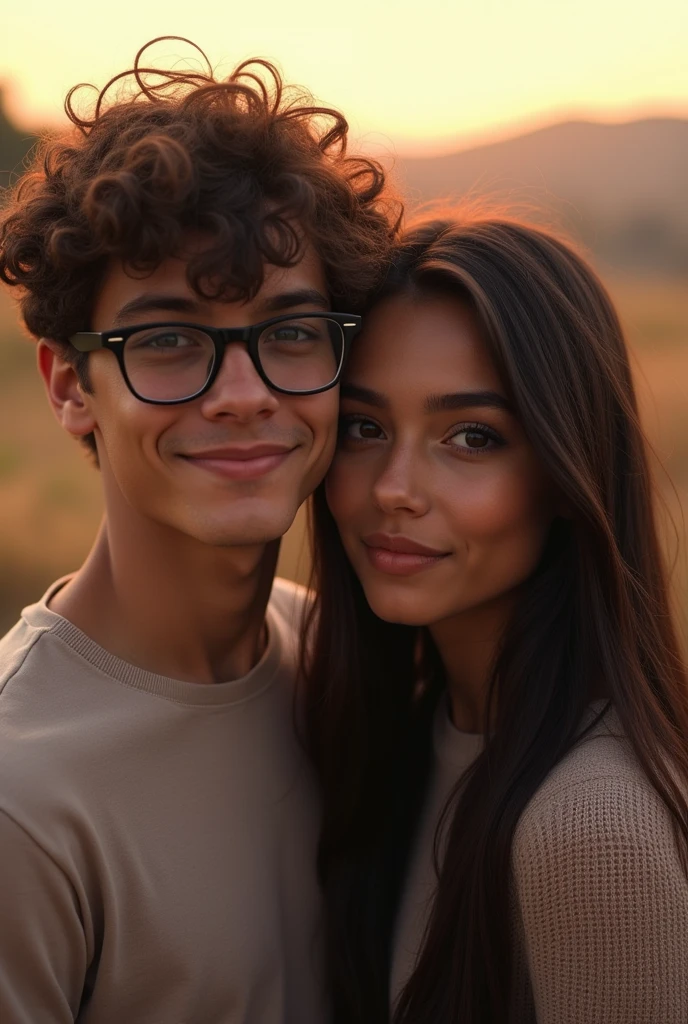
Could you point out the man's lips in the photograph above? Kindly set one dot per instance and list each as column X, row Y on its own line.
column 240, row 462
column 399, row 555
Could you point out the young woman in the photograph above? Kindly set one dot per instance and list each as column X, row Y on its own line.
column 498, row 706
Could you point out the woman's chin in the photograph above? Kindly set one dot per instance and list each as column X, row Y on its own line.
column 404, row 610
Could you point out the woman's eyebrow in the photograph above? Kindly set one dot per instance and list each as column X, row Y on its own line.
column 433, row 403
column 366, row 395
column 466, row 399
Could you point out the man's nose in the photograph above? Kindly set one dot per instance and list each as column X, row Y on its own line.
column 238, row 391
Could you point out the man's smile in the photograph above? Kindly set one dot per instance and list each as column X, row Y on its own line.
column 241, row 462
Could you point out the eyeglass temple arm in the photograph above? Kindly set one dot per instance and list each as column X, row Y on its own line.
column 87, row 341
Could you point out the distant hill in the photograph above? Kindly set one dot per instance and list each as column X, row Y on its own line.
column 14, row 147
column 622, row 188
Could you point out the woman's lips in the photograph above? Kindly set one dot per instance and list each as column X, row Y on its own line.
column 400, row 556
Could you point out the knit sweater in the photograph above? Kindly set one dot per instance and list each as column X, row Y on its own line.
column 599, row 896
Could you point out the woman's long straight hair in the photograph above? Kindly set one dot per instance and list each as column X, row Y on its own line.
column 594, row 620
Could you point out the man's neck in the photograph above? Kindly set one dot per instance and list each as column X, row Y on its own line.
column 171, row 605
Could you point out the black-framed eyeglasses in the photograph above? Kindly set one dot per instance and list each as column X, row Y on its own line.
column 170, row 362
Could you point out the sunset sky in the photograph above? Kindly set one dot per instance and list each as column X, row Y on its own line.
column 421, row 75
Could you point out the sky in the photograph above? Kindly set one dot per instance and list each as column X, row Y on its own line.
column 412, row 75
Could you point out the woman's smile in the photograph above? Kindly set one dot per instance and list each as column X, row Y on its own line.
column 399, row 555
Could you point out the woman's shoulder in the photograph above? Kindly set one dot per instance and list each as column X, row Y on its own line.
column 600, row 890
column 596, row 804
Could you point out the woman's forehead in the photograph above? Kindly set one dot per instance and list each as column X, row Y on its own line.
column 432, row 341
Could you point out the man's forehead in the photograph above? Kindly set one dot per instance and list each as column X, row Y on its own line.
column 308, row 276
column 126, row 293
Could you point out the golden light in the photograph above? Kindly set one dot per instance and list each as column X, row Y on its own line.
column 422, row 74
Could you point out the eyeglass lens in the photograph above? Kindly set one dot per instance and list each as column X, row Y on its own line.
column 171, row 363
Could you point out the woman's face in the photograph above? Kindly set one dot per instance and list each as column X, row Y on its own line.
column 441, row 503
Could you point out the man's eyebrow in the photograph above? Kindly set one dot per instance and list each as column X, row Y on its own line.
column 366, row 395
column 294, row 299
column 465, row 400
column 188, row 305
column 155, row 304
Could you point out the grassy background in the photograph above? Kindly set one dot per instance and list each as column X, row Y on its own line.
column 50, row 496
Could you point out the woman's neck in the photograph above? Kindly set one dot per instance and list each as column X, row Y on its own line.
column 468, row 644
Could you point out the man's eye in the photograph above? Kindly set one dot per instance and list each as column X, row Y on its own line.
column 162, row 341
column 289, row 333
column 360, row 430
column 170, row 341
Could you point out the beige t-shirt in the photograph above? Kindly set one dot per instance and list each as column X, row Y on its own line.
column 599, row 897
column 157, row 837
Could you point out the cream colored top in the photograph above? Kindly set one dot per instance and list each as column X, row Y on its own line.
column 600, row 900
column 157, row 837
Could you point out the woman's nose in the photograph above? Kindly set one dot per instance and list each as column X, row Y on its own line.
column 399, row 488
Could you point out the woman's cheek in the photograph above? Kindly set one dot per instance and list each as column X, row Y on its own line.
column 498, row 515
column 341, row 490
column 478, row 498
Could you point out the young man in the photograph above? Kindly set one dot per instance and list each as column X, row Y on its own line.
column 188, row 262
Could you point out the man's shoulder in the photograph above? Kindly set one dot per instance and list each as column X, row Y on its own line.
column 288, row 611
column 15, row 648
column 19, row 646
column 52, row 702
column 30, row 717
column 291, row 602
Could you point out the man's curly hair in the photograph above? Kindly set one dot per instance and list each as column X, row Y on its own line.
column 246, row 161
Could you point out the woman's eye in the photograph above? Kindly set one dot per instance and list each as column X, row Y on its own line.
column 360, row 430
column 475, row 439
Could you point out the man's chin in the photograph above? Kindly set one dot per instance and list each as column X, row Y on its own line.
column 244, row 531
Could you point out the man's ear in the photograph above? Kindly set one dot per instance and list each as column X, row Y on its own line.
column 65, row 393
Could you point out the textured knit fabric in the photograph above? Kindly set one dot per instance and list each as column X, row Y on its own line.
column 599, row 897
column 157, row 837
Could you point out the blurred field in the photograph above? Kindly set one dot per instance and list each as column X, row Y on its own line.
column 49, row 494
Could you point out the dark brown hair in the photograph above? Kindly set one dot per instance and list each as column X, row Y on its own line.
column 594, row 620
column 251, row 163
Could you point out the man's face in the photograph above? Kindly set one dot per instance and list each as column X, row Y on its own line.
column 232, row 466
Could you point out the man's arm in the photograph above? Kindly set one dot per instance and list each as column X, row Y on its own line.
column 43, row 956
